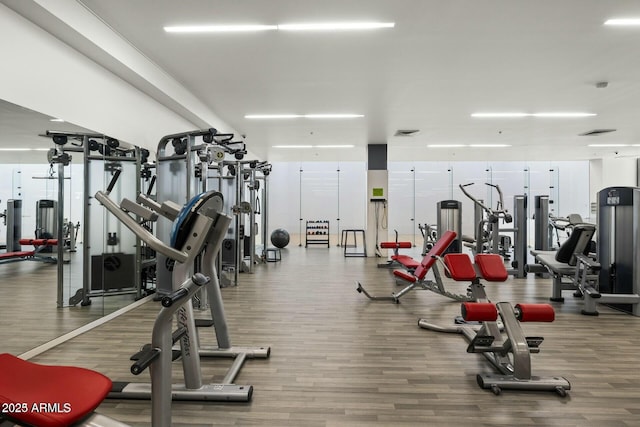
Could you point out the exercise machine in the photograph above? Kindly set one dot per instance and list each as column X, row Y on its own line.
column 197, row 231
column 508, row 352
column 42, row 395
column 488, row 237
column 416, row 278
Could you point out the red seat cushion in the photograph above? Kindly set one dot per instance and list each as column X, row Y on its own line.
column 405, row 276
column 438, row 249
column 62, row 395
column 406, row 261
column 460, row 267
column 492, row 267
column 396, row 245
column 20, row 254
column 39, row 242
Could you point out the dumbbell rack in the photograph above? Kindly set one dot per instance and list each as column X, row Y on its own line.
column 317, row 233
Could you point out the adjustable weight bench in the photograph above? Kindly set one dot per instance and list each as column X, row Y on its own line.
column 417, row 278
column 33, row 255
column 508, row 352
column 51, row 396
column 397, row 260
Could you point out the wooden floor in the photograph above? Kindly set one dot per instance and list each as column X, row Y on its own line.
column 340, row 360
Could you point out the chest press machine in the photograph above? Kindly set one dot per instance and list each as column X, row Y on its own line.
column 508, row 352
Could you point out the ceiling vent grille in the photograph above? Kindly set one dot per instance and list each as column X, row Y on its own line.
column 407, row 132
column 597, row 132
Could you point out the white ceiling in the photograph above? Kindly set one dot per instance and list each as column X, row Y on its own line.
column 444, row 60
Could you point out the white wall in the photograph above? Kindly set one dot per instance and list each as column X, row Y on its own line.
column 42, row 73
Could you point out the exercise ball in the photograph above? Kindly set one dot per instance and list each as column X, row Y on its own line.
column 280, row 238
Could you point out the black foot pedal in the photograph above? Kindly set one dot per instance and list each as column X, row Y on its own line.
column 479, row 342
column 534, row 342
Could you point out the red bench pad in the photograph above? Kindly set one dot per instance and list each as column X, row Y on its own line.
column 535, row 313
column 23, row 382
column 460, row 267
column 479, row 312
column 39, row 242
column 405, row 276
column 20, row 254
column 437, row 250
column 406, row 261
column 396, row 245
column 492, row 267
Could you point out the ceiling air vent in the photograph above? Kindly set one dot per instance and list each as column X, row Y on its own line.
column 407, row 132
column 597, row 132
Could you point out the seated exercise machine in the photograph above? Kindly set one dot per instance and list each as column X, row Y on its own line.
column 509, row 352
column 416, row 279
column 488, row 237
column 60, row 396
column 398, row 260
column 198, row 230
column 573, row 268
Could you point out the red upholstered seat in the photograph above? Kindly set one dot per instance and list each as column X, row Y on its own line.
column 492, row 267
column 62, row 395
column 406, row 261
column 39, row 242
column 438, row 249
column 396, row 245
column 20, row 254
column 460, row 267
column 405, row 276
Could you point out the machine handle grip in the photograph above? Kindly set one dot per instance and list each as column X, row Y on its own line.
column 175, row 296
column 146, row 358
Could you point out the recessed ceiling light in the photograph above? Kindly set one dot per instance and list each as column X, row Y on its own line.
column 541, row 115
column 333, row 116
column 24, row 149
column 446, row 145
column 562, row 115
column 489, row 145
column 302, row 116
column 492, row 115
column 311, row 26
column 623, row 22
column 335, row 26
column 56, row 120
column 334, row 146
column 608, row 145
column 314, row 146
column 219, row 28
column 293, row 146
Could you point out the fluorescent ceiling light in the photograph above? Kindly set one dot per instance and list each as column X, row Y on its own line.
column 293, row 146
column 273, row 116
column 492, row 115
column 302, row 116
column 311, row 26
column 562, row 115
column 24, row 149
column 334, row 146
column 314, row 146
column 542, row 115
column 470, row 145
column 219, row 28
column 335, row 26
column 56, row 120
column 623, row 22
column 333, row 116
column 608, row 145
